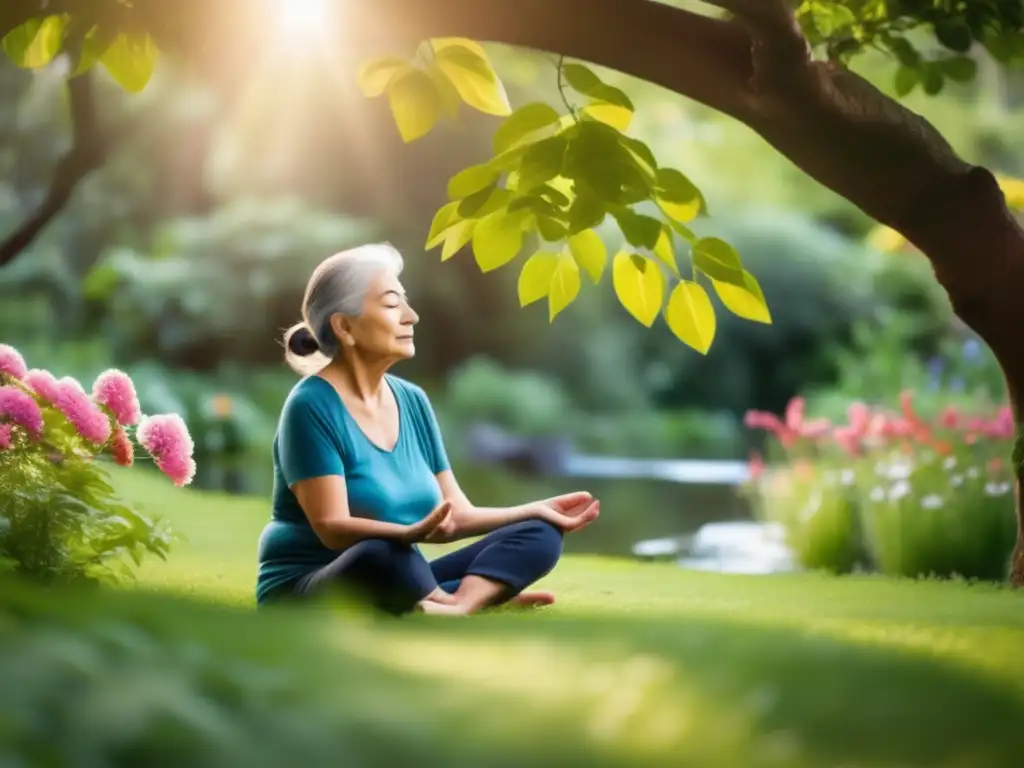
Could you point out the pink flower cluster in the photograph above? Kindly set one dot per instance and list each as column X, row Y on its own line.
column 165, row 437
column 115, row 390
column 68, row 397
column 18, row 408
column 870, row 427
column 167, row 440
column 11, row 362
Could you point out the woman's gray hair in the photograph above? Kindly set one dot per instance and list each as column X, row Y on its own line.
column 337, row 286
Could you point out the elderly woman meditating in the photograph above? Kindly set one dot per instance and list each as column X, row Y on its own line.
column 361, row 475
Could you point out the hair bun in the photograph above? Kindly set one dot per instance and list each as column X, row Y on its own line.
column 302, row 343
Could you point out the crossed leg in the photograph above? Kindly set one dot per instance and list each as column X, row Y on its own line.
column 497, row 568
column 397, row 579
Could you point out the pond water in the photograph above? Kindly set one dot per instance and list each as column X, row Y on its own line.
column 633, row 508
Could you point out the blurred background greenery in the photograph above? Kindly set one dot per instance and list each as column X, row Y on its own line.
column 185, row 256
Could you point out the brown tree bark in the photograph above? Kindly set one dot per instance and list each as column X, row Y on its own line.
column 756, row 67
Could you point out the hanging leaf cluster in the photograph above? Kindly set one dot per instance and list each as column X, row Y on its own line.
column 556, row 177
column 129, row 57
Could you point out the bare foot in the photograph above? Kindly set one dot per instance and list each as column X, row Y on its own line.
column 532, row 599
column 440, row 609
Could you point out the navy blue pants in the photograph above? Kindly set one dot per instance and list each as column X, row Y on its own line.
column 394, row 577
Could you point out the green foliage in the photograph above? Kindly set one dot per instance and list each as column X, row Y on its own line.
column 127, row 55
column 553, row 179
column 845, row 29
column 216, row 289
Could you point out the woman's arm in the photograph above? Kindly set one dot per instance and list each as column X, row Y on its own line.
column 569, row 512
column 325, row 502
column 468, row 520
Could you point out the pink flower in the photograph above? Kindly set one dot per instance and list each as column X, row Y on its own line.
column 6, row 437
column 43, row 384
column 795, row 413
column 20, row 408
column 167, row 440
column 85, row 416
column 755, row 466
column 859, row 416
column 115, row 390
column 949, row 418
column 122, row 448
column 849, row 439
column 815, row 428
column 11, row 362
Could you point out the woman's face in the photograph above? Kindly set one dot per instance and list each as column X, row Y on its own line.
column 384, row 330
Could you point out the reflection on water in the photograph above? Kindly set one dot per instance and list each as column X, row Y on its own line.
column 631, row 509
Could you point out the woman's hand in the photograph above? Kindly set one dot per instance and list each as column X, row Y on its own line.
column 440, row 519
column 569, row 512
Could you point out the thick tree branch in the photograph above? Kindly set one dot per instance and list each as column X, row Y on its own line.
column 88, row 151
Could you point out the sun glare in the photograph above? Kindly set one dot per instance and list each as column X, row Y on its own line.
column 303, row 18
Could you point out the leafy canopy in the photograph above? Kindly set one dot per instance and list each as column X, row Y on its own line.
column 557, row 174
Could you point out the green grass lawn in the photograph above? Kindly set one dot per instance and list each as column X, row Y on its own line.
column 637, row 664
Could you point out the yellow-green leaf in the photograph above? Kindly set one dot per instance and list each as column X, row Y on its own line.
column 526, row 120
column 36, row 42
column 445, row 218
column 590, row 254
column 448, row 95
column 470, row 180
column 565, row 285
column 665, row 251
column 440, row 43
column 131, row 61
column 677, row 196
column 638, row 229
column 374, row 76
column 498, row 238
column 93, row 46
column 415, row 103
column 541, row 163
column 691, row 316
column 474, row 78
column 683, row 231
column 639, row 285
column 747, row 302
column 718, row 260
column 616, row 116
column 535, row 279
column 457, row 237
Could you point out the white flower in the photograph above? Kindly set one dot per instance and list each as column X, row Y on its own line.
column 899, row 490
column 956, row 480
column 932, row 501
column 972, row 473
column 847, row 477
column 949, row 462
column 877, row 494
column 997, row 489
column 900, row 471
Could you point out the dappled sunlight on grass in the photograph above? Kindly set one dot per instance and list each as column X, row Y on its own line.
column 645, row 663
column 630, row 702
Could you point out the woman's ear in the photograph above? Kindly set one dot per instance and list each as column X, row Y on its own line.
column 341, row 326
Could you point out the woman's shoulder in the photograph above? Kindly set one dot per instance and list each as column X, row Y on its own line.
column 309, row 394
column 407, row 388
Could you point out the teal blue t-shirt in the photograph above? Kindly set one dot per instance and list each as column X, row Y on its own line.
column 317, row 436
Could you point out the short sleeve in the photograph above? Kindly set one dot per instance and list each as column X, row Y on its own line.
column 307, row 444
column 437, row 457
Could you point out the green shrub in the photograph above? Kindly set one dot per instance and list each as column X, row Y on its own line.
column 900, row 493
column 818, row 510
